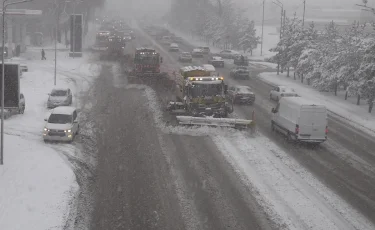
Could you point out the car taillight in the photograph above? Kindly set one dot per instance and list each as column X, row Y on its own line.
column 297, row 129
column 326, row 129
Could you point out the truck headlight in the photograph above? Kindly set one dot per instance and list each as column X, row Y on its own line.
column 68, row 131
column 46, row 130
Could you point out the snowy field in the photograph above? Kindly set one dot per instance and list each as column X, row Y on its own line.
column 37, row 179
column 348, row 110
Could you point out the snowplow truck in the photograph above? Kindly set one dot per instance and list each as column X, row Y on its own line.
column 147, row 62
column 202, row 100
column 101, row 41
column 115, row 49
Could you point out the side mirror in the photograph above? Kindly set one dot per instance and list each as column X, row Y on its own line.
column 273, row 110
column 45, row 119
column 225, row 89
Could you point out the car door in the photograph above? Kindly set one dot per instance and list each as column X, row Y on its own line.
column 75, row 124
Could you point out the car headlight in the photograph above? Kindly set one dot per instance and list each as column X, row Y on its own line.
column 46, row 130
column 68, row 131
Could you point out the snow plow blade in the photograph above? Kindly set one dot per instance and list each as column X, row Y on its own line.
column 215, row 122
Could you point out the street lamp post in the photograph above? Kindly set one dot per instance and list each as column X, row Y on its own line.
column 5, row 5
column 280, row 4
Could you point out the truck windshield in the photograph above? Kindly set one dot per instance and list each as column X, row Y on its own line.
column 199, row 90
column 147, row 59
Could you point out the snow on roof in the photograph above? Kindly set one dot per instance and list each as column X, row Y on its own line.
column 244, row 89
column 217, row 58
column 174, row 45
column 63, row 110
column 209, row 67
column 190, row 68
column 300, row 101
column 197, row 50
column 56, row 89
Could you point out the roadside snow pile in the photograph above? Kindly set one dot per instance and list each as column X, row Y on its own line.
column 290, row 194
column 358, row 115
column 37, row 180
column 36, row 186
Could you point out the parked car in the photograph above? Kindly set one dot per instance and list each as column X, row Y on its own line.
column 197, row 52
column 185, row 57
column 61, row 124
column 241, row 94
column 300, row 120
column 241, row 60
column 174, row 47
column 282, row 91
column 241, row 72
column 228, row 54
column 216, row 61
column 205, row 49
column 59, row 97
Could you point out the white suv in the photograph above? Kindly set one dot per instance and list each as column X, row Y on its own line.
column 61, row 125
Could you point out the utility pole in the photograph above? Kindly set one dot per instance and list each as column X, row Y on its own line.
column 261, row 44
column 280, row 4
column 304, row 12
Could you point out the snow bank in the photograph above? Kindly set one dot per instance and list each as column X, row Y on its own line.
column 347, row 110
column 289, row 194
column 37, row 181
column 36, row 185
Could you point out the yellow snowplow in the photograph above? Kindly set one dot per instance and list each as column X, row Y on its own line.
column 201, row 100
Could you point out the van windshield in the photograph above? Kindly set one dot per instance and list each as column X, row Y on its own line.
column 60, row 119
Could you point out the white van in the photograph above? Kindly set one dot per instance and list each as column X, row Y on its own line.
column 300, row 120
column 210, row 68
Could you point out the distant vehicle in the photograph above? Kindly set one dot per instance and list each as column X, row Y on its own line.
column 241, row 72
column 241, row 60
column 228, row 54
column 59, row 97
column 210, row 68
column 185, row 57
column 197, row 52
column 61, row 125
column 177, row 39
column 147, row 62
column 241, row 94
column 216, row 61
column 205, row 49
column 300, row 120
column 282, row 91
column 166, row 40
column 127, row 37
column 174, row 47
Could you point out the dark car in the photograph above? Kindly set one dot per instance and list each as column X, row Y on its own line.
column 241, row 94
column 216, row 61
column 241, row 60
column 241, row 72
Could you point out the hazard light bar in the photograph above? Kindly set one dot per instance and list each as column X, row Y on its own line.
column 206, row 78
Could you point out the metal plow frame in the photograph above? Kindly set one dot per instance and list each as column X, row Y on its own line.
column 215, row 122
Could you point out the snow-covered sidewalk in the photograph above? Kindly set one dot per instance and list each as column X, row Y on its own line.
column 345, row 109
column 37, row 181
